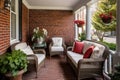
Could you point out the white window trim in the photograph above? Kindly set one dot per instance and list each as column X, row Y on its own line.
column 17, row 24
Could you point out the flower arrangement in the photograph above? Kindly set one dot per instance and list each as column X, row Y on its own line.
column 79, row 23
column 106, row 18
column 39, row 33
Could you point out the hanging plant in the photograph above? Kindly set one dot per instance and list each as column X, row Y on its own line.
column 106, row 17
column 79, row 23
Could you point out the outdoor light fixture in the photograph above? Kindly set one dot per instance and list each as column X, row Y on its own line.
column 7, row 4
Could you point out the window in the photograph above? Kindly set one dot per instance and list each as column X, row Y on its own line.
column 80, row 14
column 14, row 22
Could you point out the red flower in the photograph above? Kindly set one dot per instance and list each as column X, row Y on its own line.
column 79, row 22
column 106, row 18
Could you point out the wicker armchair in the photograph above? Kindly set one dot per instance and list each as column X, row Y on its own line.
column 36, row 60
column 57, row 49
column 87, row 67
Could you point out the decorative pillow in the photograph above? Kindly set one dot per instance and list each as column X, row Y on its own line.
column 95, row 53
column 57, row 41
column 78, row 47
column 21, row 46
column 88, row 52
column 86, row 46
column 28, row 50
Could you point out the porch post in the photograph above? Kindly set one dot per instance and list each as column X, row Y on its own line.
column 118, row 29
column 88, row 22
column 116, row 56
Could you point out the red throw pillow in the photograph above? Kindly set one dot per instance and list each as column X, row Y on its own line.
column 88, row 52
column 78, row 47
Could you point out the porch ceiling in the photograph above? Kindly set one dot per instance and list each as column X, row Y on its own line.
column 52, row 4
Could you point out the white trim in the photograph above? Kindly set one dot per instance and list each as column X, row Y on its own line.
column 26, row 4
column 50, row 8
column 45, row 7
column 17, row 24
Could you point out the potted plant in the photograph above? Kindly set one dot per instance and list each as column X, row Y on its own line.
column 106, row 17
column 13, row 64
column 79, row 23
column 39, row 35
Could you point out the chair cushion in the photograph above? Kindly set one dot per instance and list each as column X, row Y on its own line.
column 95, row 53
column 56, row 48
column 88, row 52
column 28, row 50
column 86, row 46
column 21, row 46
column 57, row 41
column 41, row 57
column 74, row 57
column 78, row 47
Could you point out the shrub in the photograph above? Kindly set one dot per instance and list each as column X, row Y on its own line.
column 112, row 46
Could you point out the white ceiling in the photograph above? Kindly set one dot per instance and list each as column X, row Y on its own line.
column 52, row 4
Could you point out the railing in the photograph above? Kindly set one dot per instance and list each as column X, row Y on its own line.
column 108, row 63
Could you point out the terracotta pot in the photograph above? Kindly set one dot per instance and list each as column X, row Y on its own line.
column 17, row 77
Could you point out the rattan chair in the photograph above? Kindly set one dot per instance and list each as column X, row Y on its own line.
column 36, row 60
column 57, row 46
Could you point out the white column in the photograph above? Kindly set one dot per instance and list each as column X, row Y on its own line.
column 88, row 23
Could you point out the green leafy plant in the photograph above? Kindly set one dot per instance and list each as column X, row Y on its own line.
column 104, row 18
column 112, row 46
column 39, row 33
column 13, row 62
column 82, row 36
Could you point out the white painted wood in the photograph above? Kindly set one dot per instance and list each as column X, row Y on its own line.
column 88, row 22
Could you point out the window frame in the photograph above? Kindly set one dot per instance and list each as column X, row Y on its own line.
column 12, row 41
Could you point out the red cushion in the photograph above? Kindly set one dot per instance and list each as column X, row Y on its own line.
column 78, row 47
column 88, row 52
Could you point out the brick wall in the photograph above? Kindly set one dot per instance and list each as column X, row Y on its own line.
column 4, row 30
column 25, row 23
column 57, row 22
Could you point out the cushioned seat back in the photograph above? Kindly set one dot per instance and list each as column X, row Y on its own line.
column 57, row 41
column 103, row 50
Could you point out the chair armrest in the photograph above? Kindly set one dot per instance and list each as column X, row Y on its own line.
column 64, row 46
column 69, row 48
column 87, row 63
column 50, row 45
column 91, row 60
column 33, row 58
column 41, row 51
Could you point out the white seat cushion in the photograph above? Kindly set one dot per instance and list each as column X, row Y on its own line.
column 57, row 41
column 21, row 46
column 41, row 57
column 57, row 48
column 75, row 57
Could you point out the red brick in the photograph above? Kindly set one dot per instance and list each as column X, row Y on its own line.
column 57, row 22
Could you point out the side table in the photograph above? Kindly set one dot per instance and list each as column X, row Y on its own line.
column 39, row 46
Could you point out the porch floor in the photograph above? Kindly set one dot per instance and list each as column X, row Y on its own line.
column 55, row 68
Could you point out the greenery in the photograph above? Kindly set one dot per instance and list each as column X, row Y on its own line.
column 112, row 46
column 13, row 62
column 116, row 74
column 39, row 33
column 82, row 36
column 105, row 7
